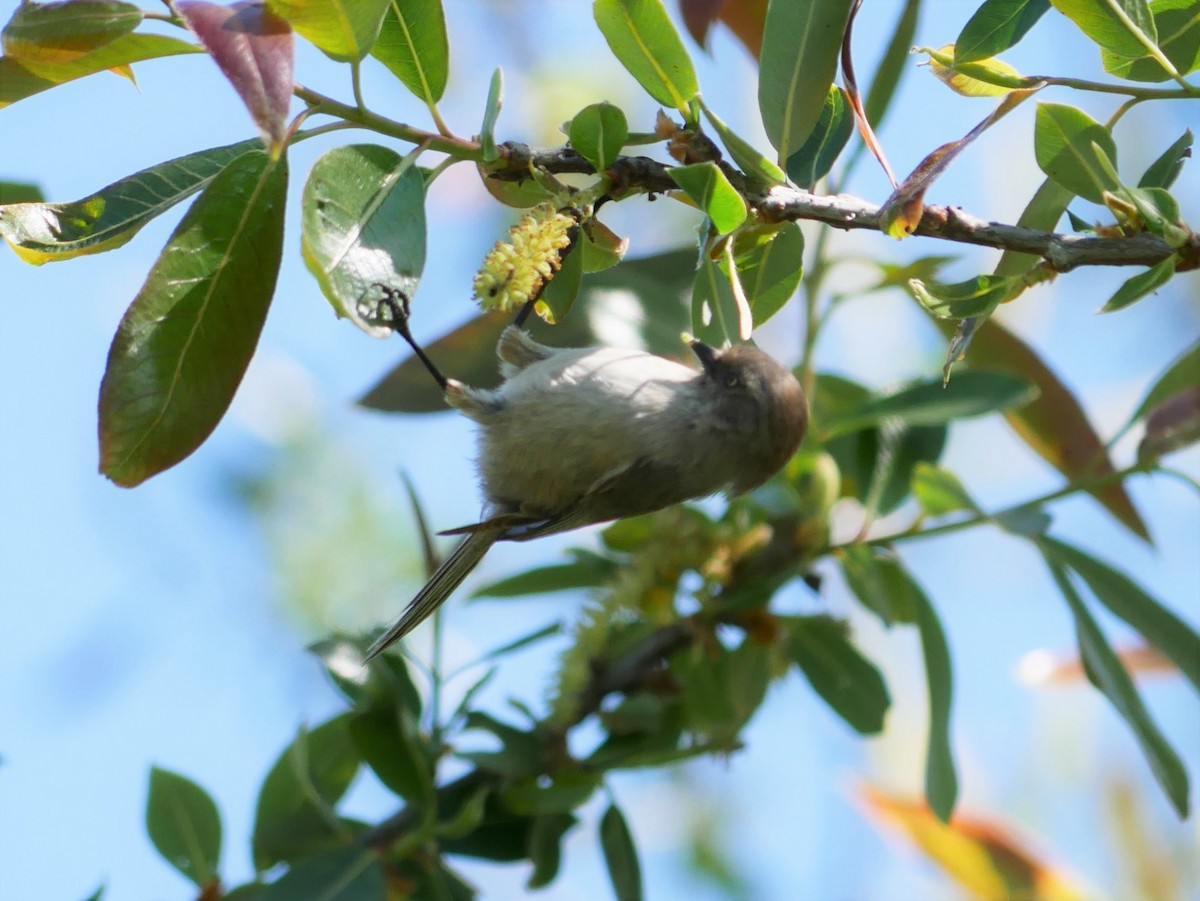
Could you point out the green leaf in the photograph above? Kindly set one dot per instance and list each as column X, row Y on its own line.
column 941, row 778
column 18, row 192
column 972, row 393
column 388, row 741
column 46, row 232
column 598, row 132
column 707, row 185
column 254, row 49
column 1068, row 144
column 295, row 814
column 813, row 159
column 42, row 35
column 743, row 153
column 98, row 894
column 1164, row 170
column 412, row 44
column 1128, row 600
column 344, row 30
column 340, row 874
column 545, row 847
column 491, row 113
column 715, row 314
column 645, row 42
column 1106, row 672
column 1123, row 27
column 880, row 583
column 995, row 27
column 770, row 271
column 722, row 691
column 799, row 58
column 587, row 572
column 561, row 291
column 848, row 682
column 1137, row 287
column 1042, row 213
column 1182, row 374
column 535, row 796
column 939, row 491
column 877, row 463
column 18, row 81
column 1178, row 28
column 184, row 343
column 184, row 825
column 620, row 854
column 362, row 218
column 974, row 297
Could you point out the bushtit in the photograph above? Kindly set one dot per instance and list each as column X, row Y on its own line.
column 580, row 436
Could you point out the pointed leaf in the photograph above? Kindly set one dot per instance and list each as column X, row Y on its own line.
column 46, row 232
column 491, row 113
column 893, row 66
column 973, row 393
column 620, row 854
column 545, row 847
column 813, row 159
column 801, row 43
column 362, row 219
column 744, row 154
column 1107, row 673
column 412, row 43
column 560, row 293
column 996, row 26
column 770, row 271
column 941, row 777
column 642, row 38
column 974, row 297
column 1164, row 170
column 184, row 825
column 880, row 584
column 1182, row 374
column 344, row 30
column 715, row 314
column 42, row 35
column 939, row 491
column 1128, row 600
column 18, row 82
column 1137, row 287
column 1075, row 150
column 848, row 682
column 388, row 742
column 1172, row 425
column 185, row 341
column 253, row 48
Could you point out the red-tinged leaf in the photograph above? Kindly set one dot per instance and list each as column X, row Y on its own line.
column 253, row 47
column 18, row 81
column 46, row 34
column 901, row 213
column 1042, row 668
column 699, row 16
column 1054, row 425
column 981, row 855
column 1173, row 424
column 185, row 341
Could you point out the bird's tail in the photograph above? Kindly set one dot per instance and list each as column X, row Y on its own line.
column 449, row 576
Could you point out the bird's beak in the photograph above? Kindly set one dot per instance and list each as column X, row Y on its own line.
column 705, row 354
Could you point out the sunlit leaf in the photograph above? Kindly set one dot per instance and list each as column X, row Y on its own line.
column 344, row 30
column 362, row 227
column 715, row 314
column 1123, row 27
column 973, row 297
column 46, row 232
column 707, row 185
column 43, row 35
column 412, row 43
column 1164, row 170
column 1068, row 143
column 491, row 113
column 18, row 82
column 183, row 823
column 939, row 491
column 186, row 340
column 1178, row 28
column 893, row 66
column 988, row 77
column 642, row 38
column 751, row 162
column 1138, row 286
column 801, row 43
column 996, row 26
column 770, row 271
column 598, row 132
column 561, row 291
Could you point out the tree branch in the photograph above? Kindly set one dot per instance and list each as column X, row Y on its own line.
column 781, row 203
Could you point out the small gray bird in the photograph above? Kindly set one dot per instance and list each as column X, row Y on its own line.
column 580, row 436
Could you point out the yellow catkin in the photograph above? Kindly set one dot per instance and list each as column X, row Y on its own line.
column 514, row 271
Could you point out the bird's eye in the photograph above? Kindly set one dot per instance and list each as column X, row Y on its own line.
column 732, row 381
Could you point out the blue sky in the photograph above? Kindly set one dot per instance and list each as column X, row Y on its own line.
column 151, row 627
